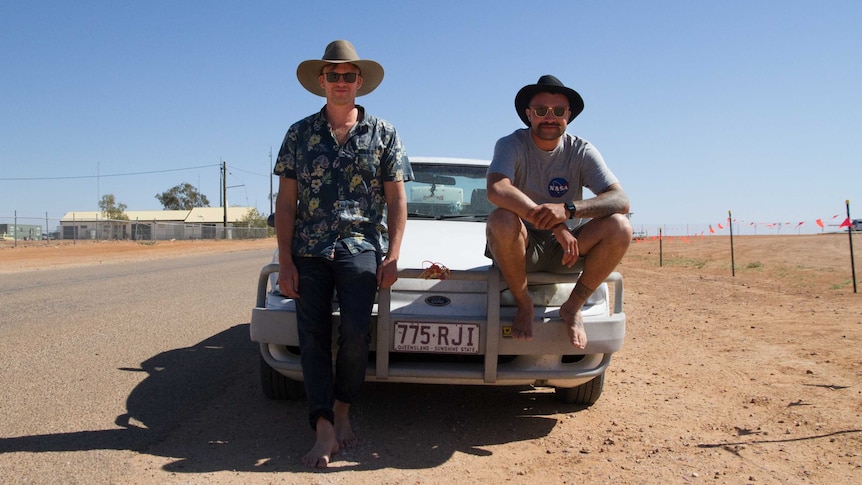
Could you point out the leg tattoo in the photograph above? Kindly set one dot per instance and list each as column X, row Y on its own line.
column 582, row 291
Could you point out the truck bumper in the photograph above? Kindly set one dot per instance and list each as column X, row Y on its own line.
column 549, row 359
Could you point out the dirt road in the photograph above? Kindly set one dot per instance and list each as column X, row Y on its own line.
column 753, row 378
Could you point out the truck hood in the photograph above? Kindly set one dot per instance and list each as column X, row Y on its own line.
column 456, row 244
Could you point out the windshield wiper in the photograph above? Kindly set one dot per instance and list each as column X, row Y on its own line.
column 417, row 215
column 463, row 216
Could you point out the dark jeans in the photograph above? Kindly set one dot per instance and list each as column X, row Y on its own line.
column 354, row 280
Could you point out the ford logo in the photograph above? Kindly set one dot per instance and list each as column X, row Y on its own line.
column 437, row 300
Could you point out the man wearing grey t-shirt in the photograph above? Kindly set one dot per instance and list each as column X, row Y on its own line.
column 542, row 221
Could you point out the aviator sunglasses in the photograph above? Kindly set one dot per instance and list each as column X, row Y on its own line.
column 542, row 111
column 349, row 77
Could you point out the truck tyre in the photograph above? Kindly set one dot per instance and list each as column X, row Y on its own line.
column 585, row 395
column 277, row 386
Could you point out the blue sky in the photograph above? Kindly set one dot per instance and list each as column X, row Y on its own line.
column 699, row 107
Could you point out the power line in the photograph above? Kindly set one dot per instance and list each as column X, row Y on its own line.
column 248, row 172
column 105, row 175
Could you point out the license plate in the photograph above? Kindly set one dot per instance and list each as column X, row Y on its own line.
column 444, row 338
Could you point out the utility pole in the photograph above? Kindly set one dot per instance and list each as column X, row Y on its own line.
column 271, row 210
column 224, row 195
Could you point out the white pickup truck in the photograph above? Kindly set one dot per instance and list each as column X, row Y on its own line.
column 447, row 320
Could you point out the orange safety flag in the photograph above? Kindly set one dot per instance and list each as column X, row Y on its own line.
column 846, row 223
column 819, row 222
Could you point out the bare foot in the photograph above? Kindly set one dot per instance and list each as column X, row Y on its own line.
column 575, row 326
column 343, row 431
column 325, row 446
column 522, row 327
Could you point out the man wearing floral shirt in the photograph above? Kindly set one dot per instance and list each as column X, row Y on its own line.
column 340, row 217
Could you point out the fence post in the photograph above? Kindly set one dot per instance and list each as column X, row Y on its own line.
column 659, row 248
column 732, row 262
column 850, row 236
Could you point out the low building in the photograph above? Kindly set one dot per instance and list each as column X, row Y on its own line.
column 21, row 232
column 197, row 223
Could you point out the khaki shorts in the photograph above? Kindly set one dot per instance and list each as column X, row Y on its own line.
column 544, row 253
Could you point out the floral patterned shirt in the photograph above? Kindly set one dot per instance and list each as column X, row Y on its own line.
column 340, row 187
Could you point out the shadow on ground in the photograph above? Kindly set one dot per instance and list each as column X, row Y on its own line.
column 202, row 407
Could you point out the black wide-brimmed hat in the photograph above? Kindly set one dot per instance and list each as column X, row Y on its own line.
column 547, row 84
column 339, row 52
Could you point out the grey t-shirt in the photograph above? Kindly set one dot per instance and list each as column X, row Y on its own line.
column 551, row 177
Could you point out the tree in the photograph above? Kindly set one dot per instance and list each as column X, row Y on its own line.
column 252, row 218
column 112, row 212
column 111, row 209
column 182, row 197
column 252, row 224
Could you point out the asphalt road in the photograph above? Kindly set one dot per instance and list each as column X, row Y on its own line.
column 101, row 363
column 143, row 372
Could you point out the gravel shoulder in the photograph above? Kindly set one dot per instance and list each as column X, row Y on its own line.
column 748, row 378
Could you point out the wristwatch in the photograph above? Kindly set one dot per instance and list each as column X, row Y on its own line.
column 571, row 208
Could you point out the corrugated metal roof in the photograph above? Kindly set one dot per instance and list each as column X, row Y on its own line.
column 161, row 216
column 198, row 215
column 205, row 215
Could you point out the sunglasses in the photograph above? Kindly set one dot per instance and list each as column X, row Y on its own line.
column 349, row 77
column 542, row 111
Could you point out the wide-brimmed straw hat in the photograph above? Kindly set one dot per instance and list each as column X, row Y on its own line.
column 547, row 84
column 339, row 52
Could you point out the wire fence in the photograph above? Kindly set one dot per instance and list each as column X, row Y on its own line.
column 739, row 228
column 28, row 228
column 34, row 228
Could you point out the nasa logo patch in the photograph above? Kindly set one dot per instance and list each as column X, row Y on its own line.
column 558, row 187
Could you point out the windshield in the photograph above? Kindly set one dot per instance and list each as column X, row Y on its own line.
column 447, row 191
